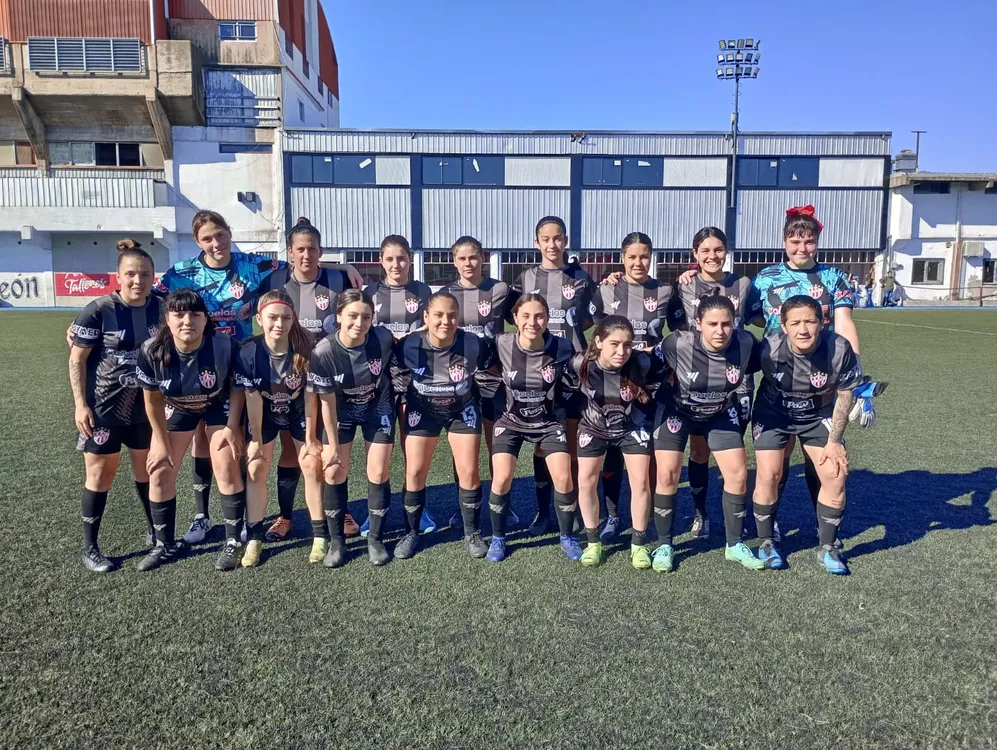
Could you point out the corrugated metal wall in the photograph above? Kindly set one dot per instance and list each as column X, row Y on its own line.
column 497, row 218
column 669, row 217
column 354, row 217
column 852, row 172
column 695, row 173
column 76, row 192
column 802, row 144
column 223, row 10
column 538, row 172
column 393, row 170
column 126, row 19
column 852, row 218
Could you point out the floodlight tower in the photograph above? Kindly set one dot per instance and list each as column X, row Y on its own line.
column 738, row 58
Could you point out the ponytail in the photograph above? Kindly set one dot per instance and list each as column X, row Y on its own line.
column 300, row 341
column 630, row 375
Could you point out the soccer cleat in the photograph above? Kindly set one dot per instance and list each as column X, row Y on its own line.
column 251, row 557
column 350, row 526
column 160, row 555
column 426, row 524
column 832, row 560
column 377, row 552
column 320, row 548
column 496, row 550
column 279, row 529
column 476, row 546
column 457, row 521
column 230, row 556
column 95, row 561
column 407, row 546
column 640, row 556
column 198, row 530
column 664, row 559
column 570, row 547
column 335, row 556
column 593, row 555
column 776, row 534
column 770, row 556
column 837, row 544
column 742, row 553
column 611, row 530
column 540, row 525
column 365, row 528
column 700, row 527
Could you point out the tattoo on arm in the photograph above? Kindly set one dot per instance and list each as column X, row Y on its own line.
column 78, row 378
column 839, row 420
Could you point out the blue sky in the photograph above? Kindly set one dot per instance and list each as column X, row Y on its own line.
column 645, row 65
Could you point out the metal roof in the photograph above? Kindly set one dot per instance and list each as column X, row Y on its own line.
column 900, row 179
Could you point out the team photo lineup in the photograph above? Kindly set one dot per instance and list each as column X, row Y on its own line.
column 604, row 381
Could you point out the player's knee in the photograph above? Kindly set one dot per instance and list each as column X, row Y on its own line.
column 668, row 477
column 587, row 482
column 257, row 471
column 699, row 451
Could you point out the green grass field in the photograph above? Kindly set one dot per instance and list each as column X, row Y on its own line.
column 447, row 652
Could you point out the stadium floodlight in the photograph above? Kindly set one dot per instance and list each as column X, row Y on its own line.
column 739, row 64
column 758, row 57
column 730, row 72
column 747, row 72
column 731, row 43
column 748, row 57
column 720, row 59
column 720, row 72
column 756, row 73
column 730, row 57
column 749, row 43
column 740, row 44
column 739, row 57
column 723, row 44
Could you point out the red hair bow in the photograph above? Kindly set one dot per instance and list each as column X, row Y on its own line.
column 804, row 211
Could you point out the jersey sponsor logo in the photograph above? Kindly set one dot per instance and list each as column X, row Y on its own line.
column 562, row 437
column 592, row 308
column 411, row 304
column 536, row 291
column 801, row 405
column 169, row 412
column 584, row 439
column 568, row 290
column 207, row 378
column 462, row 388
column 674, row 424
column 85, row 333
column 101, row 436
column 293, row 381
column 615, row 304
column 498, row 431
column 339, row 378
column 420, row 371
column 532, row 411
column 164, row 385
column 756, row 430
column 377, row 307
column 547, row 373
column 237, row 288
column 818, row 379
column 128, row 380
column 484, row 307
column 626, row 393
column 733, row 374
column 457, row 373
column 511, row 375
column 243, row 381
column 650, row 304
column 374, row 365
column 842, row 294
column 322, row 301
column 691, row 375
column 816, row 291
column 778, row 376
column 414, row 418
column 225, row 330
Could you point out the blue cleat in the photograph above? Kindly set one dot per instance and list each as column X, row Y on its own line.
column 571, row 548
column 426, row 524
column 496, row 550
column 769, row 555
column 365, row 528
column 832, row 560
column 611, row 530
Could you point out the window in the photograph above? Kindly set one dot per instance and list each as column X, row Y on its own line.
column 639, row 172
column 367, row 263
column 329, row 98
column 321, row 87
column 602, row 171
column 441, row 170
column 306, row 68
column 791, row 172
column 96, row 154
column 301, row 111
column 799, row 172
column 322, row 170
column 239, row 31
column 301, row 169
column 932, row 188
column 244, row 148
column 289, row 46
column 484, row 170
column 354, row 170
column 514, row 262
column 129, row 155
column 670, row 264
column 328, row 169
column 85, row 55
column 3, row 55
column 988, row 271
column 927, row 272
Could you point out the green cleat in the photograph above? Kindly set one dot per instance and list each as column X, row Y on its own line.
column 742, row 553
column 664, row 559
column 593, row 555
column 640, row 556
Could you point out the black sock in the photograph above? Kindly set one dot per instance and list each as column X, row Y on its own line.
column 638, row 538
column 378, row 500
column 320, row 530
column 470, row 509
column 414, row 502
column 498, row 506
column 828, row 521
column 142, row 490
column 541, row 477
column 592, row 535
column 254, row 531
column 699, row 484
column 287, row 488
column 664, row 514
column 765, row 520
column 785, row 477
column 93, row 504
column 734, row 506
column 164, row 521
column 202, row 485
column 233, row 511
column 565, row 505
column 612, row 480
column 334, row 499
column 812, row 479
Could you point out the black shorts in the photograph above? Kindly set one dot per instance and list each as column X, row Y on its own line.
column 493, row 407
column 378, row 427
column 572, row 402
column 106, row 440
column 508, row 437
column 423, row 422
column 723, row 432
column 770, row 433
column 271, row 431
column 215, row 416
column 634, row 443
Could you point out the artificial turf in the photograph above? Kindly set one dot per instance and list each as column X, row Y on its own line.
column 446, row 651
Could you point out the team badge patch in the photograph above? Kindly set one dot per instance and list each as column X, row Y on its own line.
column 733, row 374
column 101, row 436
column 293, row 381
column 650, row 304
column 414, row 418
column 457, row 373
column 484, row 307
column 734, row 300
column 411, row 304
column 322, row 301
column 757, row 430
column 160, row 287
column 169, row 412
column 568, row 290
column 626, row 393
column 207, row 378
column 547, row 373
column 584, row 439
column 499, row 431
column 818, row 379
column 237, row 288
column 374, row 365
column 674, row 424
column 816, row 291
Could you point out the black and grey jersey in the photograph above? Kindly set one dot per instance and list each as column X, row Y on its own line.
column 114, row 331
column 258, row 369
column 648, row 306
column 399, row 308
column 706, row 382
column 315, row 301
column 481, row 311
column 442, row 379
column 736, row 288
column 532, row 379
column 611, row 406
column 568, row 292
column 358, row 375
column 193, row 382
column 802, row 387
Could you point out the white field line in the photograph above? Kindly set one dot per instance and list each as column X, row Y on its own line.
column 932, row 328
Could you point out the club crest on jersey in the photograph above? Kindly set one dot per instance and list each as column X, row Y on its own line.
column 818, row 379
column 734, row 300
column 101, row 436
column 411, row 304
column 374, row 365
column 237, row 288
column 484, row 307
column 499, row 431
column 584, row 439
column 207, row 378
column 674, row 424
column 547, row 373
column 650, row 304
column 816, row 291
column 757, row 430
column 568, row 290
column 414, row 418
column 733, row 374
column 160, row 287
column 457, row 373
column 293, row 381
column 626, row 393
column 169, row 411
column 322, row 301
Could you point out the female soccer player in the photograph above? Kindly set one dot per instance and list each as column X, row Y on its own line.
column 186, row 372
column 109, row 412
column 399, row 305
column 533, row 364
column 272, row 369
column 806, row 393
column 568, row 290
column 707, row 366
column 441, row 363
column 613, row 377
column 349, row 372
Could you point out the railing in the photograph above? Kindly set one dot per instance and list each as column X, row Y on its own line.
column 243, row 111
column 76, row 187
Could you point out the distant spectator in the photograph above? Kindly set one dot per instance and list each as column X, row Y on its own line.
column 889, row 284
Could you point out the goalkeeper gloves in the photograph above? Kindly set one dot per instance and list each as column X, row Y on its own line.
column 864, row 410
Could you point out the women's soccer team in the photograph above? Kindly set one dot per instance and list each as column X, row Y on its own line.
column 606, row 381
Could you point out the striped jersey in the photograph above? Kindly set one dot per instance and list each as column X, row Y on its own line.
column 399, row 308
column 736, row 288
column 481, row 311
column 532, row 379
column 611, row 408
column 114, row 330
column 706, row 382
column 802, row 387
column 648, row 306
column 314, row 301
column 775, row 284
column 194, row 382
column 258, row 369
column 442, row 379
column 568, row 292
column 358, row 375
